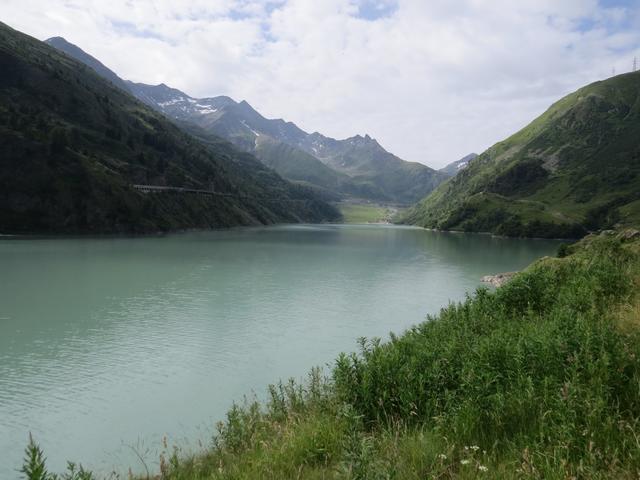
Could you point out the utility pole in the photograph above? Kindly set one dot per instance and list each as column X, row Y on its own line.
column 635, row 63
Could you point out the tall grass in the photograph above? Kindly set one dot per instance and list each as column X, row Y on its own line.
column 538, row 366
column 534, row 380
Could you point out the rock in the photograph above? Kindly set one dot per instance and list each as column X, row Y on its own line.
column 499, row 279
column 630, row 234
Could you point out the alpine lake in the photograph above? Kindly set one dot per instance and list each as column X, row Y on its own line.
column 112, row 346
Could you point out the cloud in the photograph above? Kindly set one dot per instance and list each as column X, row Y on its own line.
column 432, row 81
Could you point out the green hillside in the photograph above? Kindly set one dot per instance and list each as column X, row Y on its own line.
column 73, row 145
column 574, row 169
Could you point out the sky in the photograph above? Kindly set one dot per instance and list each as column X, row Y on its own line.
column 431, row 80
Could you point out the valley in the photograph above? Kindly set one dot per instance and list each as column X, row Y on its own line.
column 192, row 288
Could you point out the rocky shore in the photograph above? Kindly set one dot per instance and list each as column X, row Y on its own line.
column 499, row 279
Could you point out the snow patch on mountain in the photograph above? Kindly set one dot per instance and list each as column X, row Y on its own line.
column 205, row 109
column 247, row 126
column 173, row 101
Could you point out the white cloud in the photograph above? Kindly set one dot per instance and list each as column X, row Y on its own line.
column 431, row 81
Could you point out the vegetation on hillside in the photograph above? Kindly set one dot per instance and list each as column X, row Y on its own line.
column 574, row 169
column 538, row 379
column 73, row 144
column 366, row 213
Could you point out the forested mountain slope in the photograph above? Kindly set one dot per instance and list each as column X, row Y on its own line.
column 73, row 145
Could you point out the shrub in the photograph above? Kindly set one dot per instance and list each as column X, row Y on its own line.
column 34, row 467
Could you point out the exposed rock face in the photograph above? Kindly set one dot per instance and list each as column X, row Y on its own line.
column 499, row 279
column 630, row 234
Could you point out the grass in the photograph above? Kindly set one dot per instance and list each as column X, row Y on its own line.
column 537, row 379
column 366, row 213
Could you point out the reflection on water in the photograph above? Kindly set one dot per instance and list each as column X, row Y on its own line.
column 110, row 343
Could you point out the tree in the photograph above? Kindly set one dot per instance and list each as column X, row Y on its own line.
column 58, row 140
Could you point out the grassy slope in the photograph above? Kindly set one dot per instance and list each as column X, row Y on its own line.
column 575, row 168
column 72, row 144
column 539, row 379
column 365, row 213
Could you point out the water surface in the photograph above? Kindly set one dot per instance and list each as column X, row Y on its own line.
column 108, row 344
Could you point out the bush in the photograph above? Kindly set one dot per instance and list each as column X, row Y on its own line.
column 34, row 467
column 563, row 250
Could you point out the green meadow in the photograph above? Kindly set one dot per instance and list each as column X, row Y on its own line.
column 366, row 212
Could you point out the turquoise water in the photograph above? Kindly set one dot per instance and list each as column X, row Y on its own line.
column 109, row 344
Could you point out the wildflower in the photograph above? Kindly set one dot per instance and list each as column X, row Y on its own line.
column 475, row 448
column 464, row 462
column 442, row 456
column 482, row 468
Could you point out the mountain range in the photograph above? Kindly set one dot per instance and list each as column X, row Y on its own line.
column 78, row 143
column 76, row 148
column 574, row 169
column 354, row 167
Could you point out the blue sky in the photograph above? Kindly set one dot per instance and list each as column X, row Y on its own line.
column 373, row 10
column 430, row 80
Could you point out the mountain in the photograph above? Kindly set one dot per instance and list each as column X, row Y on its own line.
column 455, row 167
column 74, row 145
column 355, row 167
column 378, row 173
column 575, row 168
column 77, row 53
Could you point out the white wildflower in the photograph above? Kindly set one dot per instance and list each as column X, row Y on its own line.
column 482, row 468
column 475, row 448
column 464, row 462
column 442, row 456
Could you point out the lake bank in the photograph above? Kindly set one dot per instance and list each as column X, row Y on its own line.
column 535, row 380
column 162, row 334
